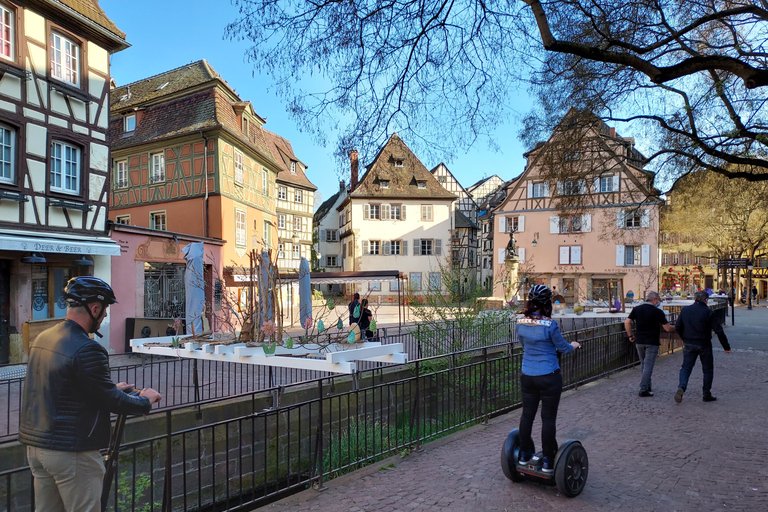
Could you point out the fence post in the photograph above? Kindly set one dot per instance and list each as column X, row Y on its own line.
column 484, row 388
column 168, row 487
column 416, row 416
column 319, row 441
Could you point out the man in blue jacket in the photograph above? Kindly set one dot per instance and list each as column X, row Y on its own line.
column 695, row 325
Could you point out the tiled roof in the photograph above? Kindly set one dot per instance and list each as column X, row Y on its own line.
column 324, row 208
column 282, row 152
column 91, row 10
column 402, row 181
column 462, row 221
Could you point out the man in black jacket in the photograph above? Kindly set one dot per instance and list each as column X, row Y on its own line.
column 68, row 397
column 695, row 325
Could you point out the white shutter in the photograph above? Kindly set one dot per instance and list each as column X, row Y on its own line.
column 575, row 255
column 529, row 188
column 416, row 247
column 586, row 223
column 521, row 254
column 645, row 255
column 616, row 183
column 565, row 254
column 620, row 219
column 554, row 224
column 560, row 188
column 323, row 236
column 582, row 186
column 521, row 223
column 619, row 255
column 404, row 248
column 645, row 219
column 365, row 247
column 502, row 255
column 366, row 211
column 438, row 247
column 546, row 189
column 596, row 185
column 386, row 248
column 502, row 224
column 402, row 212
column 385, row 212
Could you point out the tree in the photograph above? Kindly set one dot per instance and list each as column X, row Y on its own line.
column 689, row 74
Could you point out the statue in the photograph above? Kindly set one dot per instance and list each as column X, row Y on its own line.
column 512, row 245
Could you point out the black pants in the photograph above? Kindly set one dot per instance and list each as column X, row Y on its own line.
column 545, row 389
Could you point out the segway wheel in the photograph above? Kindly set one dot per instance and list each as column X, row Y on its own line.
column 509, row 453
column 571, row 470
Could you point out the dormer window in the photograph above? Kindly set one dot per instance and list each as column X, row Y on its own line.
column 384, row 184
column 244, row 126
column 293, row 167
column 399, row 162
column 129, row 123
column 422, row 184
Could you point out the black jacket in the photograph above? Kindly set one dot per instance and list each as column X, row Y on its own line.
column 695, row 324
column 69, row 394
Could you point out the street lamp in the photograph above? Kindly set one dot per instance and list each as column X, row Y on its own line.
column 749, row 284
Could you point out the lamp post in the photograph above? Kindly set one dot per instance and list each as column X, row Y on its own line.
column 749, row 284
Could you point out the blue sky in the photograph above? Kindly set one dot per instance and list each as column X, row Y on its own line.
column 167, row 34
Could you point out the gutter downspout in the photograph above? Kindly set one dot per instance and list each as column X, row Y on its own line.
column 205, row 179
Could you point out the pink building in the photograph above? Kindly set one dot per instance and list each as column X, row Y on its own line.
column 585, row 218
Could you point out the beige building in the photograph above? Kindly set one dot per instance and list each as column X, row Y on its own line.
column 585, row 216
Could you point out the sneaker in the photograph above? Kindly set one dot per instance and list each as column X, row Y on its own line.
column 546, row 464
column 524, row 458
column 679, row 395
column 709, row 397
column 645, row 393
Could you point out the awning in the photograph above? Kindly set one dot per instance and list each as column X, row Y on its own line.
column 241, row 275
column 66, row 243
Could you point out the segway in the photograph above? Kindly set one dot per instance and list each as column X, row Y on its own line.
column 571, row 466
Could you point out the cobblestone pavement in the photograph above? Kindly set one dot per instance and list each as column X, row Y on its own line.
column 645, row 454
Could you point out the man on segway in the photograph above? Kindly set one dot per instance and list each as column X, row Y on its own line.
column 67, row 399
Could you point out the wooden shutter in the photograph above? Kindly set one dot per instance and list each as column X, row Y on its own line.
column 546, row 189
column 645, row 219
column 521, row 223
column 438, row 247
column 575, row 255
column 416, row 247
column 596, row 185
column 565, row 255
column 502, row 224
column 620, row 216
column 366, row 211
column 402, row 212
column 616, row 183
column 365, row 247
column 385, row 212
column 619, row 255
column 385, row 249
column 554, row 224
column 502, row 255
column 521, row 254
column 645, row 255
column 529, row 189
column 404, row 248
column 323, row 236
column 560, row 188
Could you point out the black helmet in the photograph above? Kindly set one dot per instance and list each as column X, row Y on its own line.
column 540, row 294
column 86, row 289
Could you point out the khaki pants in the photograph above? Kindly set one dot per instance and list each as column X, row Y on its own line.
column 66, row 481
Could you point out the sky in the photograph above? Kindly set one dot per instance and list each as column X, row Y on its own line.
column 167, row 34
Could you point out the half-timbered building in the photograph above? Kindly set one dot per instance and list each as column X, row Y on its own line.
column 585, row 216
column 54, row 159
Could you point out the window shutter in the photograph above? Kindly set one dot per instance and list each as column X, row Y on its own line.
column 586, row 223
column 565, row 255
column 502, row 255
column 366, row 211
column 404, row 248
column 645, row 255
column 619, row 255
column 616, row 183
column 529, row 188
column 554, row 224
column 645, row 219
column 385, row 212
column 596, row 185
column 521, row 254
column 365, row 247
column 323, row 236
column 402, row 212
column 502, row 224
column 560, row 188
column 386, row 248
column 620, row 219
column 582, row 186
column 576, row 255
column 546, row 189
column 521, row 223
column 416, row 247
column 438, row 247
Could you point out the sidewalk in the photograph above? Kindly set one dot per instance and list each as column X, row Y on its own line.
column 646, row 454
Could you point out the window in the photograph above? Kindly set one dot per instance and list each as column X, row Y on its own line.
column 513, row 224
column 281, row 251
column 121, row 180
column 632, row 255
column 394, row 286
column 282, row 193
column 394, row 212
column 384, row 184
column 330, row 261
column 570, row 224
column 414, row 281
column 240, row 228
column 570, row 188
column 65, row 59
column 296, row 223
column 123, row 219
column 395, row 248
column 158, row 168
column 606, row 184
column 425, row 249
column 267, row 235
column 7, row 153
column 374, row 247
column 7, row 35
column 239, row 175
column 293, row 167
column 442, row 179
column 332, row 235
column 422, row 184
column 157, row 220
column 426, row 213
column 633, row 219
column 399, row 162
column 129, row 123
column 570, row 255
column 434, row 281
column 374, row 286
column 244, row 126
column 539, row 189
column 48, row 284
column 372, row 211
column 297, row 197
column 265, row 182
column 296, row 251
column 281, row 221
column 65, row 168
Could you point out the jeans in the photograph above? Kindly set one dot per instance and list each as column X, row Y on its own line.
column 647, row 354
column 545, row 389
column 66, row 481
column 690, row 353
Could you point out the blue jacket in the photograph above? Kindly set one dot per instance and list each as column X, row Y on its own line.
column 541, row 340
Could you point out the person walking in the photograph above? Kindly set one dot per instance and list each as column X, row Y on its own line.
column 354, row 309
column 67, row 399
column 695, row 324
column 648, row 320
column 540, row 378
column 365, row 320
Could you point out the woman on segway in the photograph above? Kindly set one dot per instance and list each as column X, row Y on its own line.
column 541, row 380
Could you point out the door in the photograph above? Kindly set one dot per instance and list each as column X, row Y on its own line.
column 5, row 311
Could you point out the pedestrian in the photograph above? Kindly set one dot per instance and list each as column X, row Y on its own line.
column 648, row 319
column 695, row 324
column 354, row 309
column 365, row 320
column 540, row 378
column 754, row 294
column 67, row 399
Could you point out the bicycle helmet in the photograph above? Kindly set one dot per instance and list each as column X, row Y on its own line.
column 86, row 289
column 540, row 294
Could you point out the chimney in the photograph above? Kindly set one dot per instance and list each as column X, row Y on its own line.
column 613, row 132
column 353, row 170
column 341, row 186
